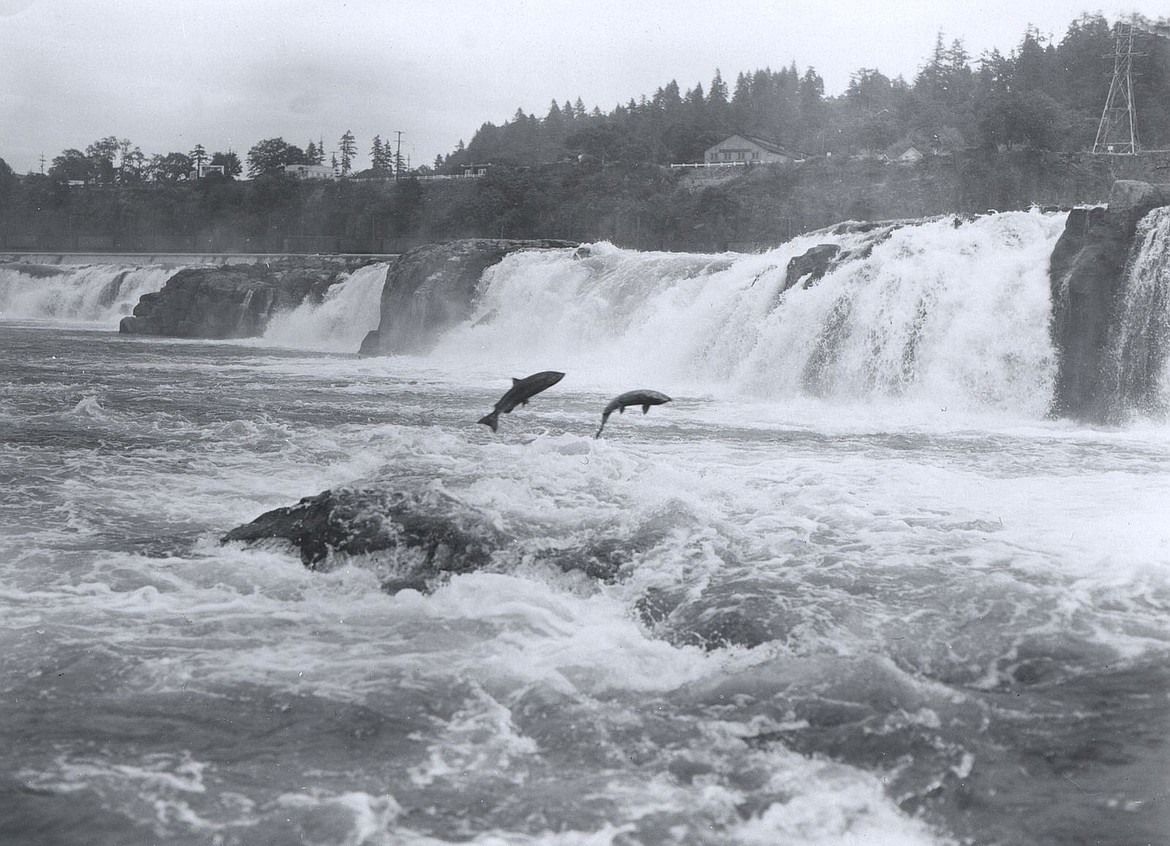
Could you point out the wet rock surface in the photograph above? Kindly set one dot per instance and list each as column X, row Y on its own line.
column 1086, row 275
column 432, row 288
column 234, row 301
column 413, row 538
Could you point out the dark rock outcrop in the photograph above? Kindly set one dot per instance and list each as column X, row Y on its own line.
column 432, row 288
column 428, row 532
column 1086, row 274
column 413, row 538
column 810, row 265
column 235, row 301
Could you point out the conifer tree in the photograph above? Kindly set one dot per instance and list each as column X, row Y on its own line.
column 348, row 149
column 381, row 157
column 198, row 156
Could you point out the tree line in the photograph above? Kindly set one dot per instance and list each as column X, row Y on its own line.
column 118, row 161
column 1044, row 94
column 1014, row 125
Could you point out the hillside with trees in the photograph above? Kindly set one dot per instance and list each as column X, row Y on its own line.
column 1003, row 131
column 1043, row 95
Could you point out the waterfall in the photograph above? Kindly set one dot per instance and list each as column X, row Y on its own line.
column 339, row 321
column 90, row 294
column 1139, row 340
column 949, row 312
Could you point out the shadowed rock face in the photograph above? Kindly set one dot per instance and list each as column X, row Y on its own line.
column 235, row 301
column 1086, row 275
column 432, row 288
column 810, row 266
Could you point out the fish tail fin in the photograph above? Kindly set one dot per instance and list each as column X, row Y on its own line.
column 492, row 420
column 604, row 417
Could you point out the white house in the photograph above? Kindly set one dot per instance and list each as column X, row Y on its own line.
column 904, row 154
column 743, row 149
column 310, row 171
column 203, row 170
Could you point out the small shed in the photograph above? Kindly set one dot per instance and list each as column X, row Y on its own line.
column 745, row 149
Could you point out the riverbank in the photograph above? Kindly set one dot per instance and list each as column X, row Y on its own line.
column 644, row 207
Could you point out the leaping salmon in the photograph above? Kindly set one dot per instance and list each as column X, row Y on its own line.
column 644, row 398
column 520, row 393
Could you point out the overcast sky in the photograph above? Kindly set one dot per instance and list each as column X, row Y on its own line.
column 227, row 73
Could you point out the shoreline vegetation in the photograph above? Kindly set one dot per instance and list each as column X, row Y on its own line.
column 997, row 131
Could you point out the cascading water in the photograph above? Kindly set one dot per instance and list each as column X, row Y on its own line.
column 744, row 618
column 94, row 293
column 942, row 312
column 338, row 323
column 1139, row 349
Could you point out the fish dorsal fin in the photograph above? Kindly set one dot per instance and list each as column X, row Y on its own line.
column 515, row 381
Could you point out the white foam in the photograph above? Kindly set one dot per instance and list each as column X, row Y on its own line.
column 99, row 294
column 350, row 309
column 952, row 317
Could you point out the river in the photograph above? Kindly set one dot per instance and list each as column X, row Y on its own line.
column 857, row 587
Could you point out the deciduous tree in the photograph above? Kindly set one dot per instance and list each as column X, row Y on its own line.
column 230, row 163
column 271, row 155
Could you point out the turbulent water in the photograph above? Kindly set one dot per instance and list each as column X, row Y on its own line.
column 862, row 590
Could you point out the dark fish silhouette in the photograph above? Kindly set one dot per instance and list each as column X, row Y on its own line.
column 620, row 403
column 520, row 393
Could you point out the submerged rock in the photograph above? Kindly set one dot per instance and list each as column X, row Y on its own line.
column 432, row 288
column 233, row 301
column 412, row 538
column 429, row 532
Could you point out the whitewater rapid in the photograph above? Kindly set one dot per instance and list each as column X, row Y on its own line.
column 847, row 587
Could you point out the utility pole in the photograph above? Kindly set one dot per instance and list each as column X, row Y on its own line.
column 398, row 156
column 42, row 163
column 1117, row 132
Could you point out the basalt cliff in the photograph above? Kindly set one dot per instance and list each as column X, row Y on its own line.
column 233, row 301
column 1090, row 269
column 432, row 288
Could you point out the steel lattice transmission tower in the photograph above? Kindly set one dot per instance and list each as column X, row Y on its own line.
column 1117, row 132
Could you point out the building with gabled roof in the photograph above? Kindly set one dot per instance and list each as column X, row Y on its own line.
column 748, row 149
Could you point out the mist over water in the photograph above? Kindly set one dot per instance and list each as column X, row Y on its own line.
column 849, row 586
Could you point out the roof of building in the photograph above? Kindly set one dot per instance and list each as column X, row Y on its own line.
column 764, row 143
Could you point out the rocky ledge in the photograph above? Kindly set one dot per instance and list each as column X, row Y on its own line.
column 235, row 301
column 432, row 288
column 1087, row 274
